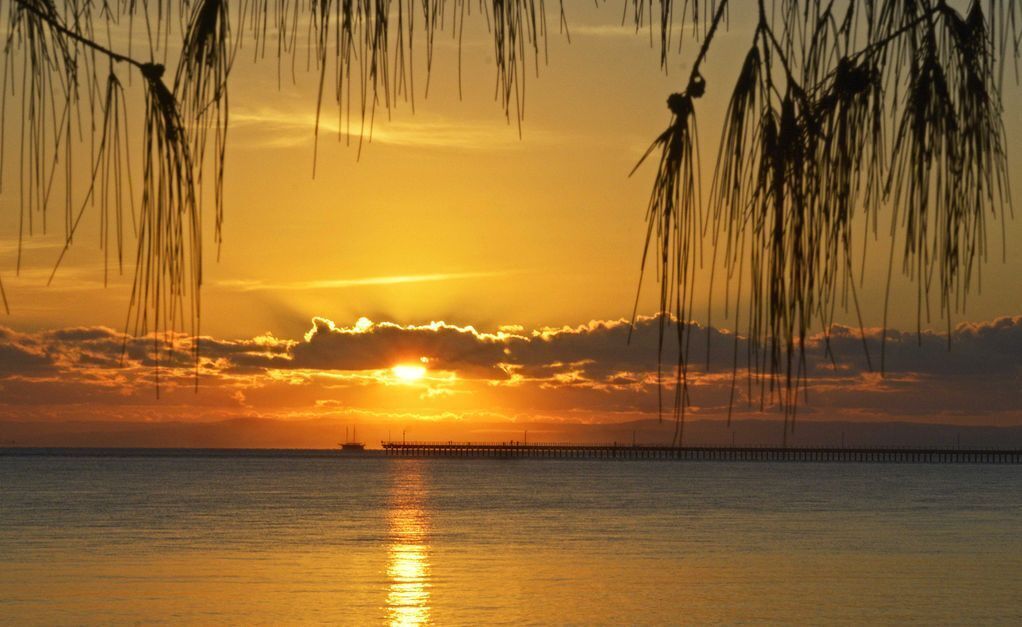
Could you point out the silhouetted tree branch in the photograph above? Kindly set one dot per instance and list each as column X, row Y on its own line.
column 840, row 110
column 843, row 113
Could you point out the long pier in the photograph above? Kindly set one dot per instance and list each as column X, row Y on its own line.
column 512, row 450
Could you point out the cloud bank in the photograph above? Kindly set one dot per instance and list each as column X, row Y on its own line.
column 588, row 373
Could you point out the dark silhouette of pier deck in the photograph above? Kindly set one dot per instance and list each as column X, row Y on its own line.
column 509, row 450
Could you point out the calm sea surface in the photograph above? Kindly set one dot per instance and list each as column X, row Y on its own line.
column 299, row 538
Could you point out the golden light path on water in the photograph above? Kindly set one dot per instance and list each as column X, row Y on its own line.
column 408, row 566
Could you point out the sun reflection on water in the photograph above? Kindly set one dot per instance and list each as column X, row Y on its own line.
column 408, row 566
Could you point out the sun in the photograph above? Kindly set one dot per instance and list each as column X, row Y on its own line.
column 409, row 372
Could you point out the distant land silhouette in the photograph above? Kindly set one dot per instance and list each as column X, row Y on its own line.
column 320, row 433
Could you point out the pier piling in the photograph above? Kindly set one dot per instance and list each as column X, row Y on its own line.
column 509, row 450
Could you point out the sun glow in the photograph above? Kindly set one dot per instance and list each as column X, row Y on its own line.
column 409, row 372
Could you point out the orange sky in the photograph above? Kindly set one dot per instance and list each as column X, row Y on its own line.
column 449, row 215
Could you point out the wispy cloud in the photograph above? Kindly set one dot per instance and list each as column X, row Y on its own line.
column 243, row 285
column 607, row 30
column 280, row 127
column 12, row 245
column 71, row 278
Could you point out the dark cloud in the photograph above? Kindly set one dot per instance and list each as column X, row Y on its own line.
column 369, row 346
column 595, row 368
column 21, row 355
column 993, row 347
column 613, row 352
column 599, row 349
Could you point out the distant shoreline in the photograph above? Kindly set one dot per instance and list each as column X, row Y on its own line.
column 539, row 451
column 324, row 434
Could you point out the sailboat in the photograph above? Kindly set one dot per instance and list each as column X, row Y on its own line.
column 352, row 445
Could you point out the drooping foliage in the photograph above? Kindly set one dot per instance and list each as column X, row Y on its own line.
column 883, row 113
column 879, row 113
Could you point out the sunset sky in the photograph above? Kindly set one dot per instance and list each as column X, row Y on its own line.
column 459, row 272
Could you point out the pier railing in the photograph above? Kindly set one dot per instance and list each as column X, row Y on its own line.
column 548, row 450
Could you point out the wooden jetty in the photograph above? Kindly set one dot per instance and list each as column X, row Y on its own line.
column 513, row 449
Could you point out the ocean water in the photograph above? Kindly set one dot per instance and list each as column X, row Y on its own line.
column 316, row 538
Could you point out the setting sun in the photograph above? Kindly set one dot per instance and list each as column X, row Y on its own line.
column 333, row 332
column 409, row 372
